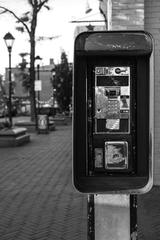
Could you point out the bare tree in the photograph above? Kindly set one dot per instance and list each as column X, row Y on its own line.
column 23, row 73
column 28, row 23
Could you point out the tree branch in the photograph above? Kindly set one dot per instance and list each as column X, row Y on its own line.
column 19, row 19
column 31, row 2
column 40, row 5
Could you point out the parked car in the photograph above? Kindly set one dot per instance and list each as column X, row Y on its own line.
column 47, row 109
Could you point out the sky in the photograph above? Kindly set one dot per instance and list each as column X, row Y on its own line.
column 55, row 22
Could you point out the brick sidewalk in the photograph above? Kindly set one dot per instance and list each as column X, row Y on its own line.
column 37, row 200
column 149, row 215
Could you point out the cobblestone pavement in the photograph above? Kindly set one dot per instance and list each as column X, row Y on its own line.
column 149, row 215
column 37, row 200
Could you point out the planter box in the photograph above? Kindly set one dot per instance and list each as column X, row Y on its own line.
column 31, row 126
column 13, row 137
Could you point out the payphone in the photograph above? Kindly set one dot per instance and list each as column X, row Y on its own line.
column 113, row 112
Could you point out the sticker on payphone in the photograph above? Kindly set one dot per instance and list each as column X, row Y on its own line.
column 98, row 157
column 112, row 124
column 116, row 155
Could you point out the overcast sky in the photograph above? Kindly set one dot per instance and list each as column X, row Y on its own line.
column 50, row 23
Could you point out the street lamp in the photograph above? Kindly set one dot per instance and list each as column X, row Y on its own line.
column 38, row 59
column 9, row 40
column 88, row 8
column 54, row 89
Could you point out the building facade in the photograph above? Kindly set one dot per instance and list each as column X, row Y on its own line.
column 152, row 25
column 18, row 91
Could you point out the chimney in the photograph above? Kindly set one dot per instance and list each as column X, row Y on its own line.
column 51, row 61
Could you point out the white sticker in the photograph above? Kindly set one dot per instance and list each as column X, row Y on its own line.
column 125, row 91
column 98, row 157
column 113, row 124
column 116, row 155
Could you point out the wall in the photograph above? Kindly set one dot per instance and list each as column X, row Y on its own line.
column 152, row 25
column 126, row 15
column 19, row 91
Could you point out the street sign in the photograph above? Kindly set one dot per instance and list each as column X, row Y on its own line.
column 38, row 85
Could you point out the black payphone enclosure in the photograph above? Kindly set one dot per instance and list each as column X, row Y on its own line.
column 113, row 112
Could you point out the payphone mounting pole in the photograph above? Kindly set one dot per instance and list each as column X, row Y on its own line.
column 132, row 199
column 112, row 215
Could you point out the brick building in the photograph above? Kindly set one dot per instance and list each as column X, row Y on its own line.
column 45, row 77
column 152, row 25
column 142, row 15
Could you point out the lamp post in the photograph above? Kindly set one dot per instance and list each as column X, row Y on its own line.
column 9, row 40
column 54, row 89
column 38, row 59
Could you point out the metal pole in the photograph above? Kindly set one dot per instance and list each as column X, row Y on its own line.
column 109, row 15
column 53, row 98
column 112, row 217
column 133, row 217
column 114, row 221
column 10, row 90
column 38, row 91
column 91, row 217
column 54, row 93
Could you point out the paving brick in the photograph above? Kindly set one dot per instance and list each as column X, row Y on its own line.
column 37, row 199
column 148, row 215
